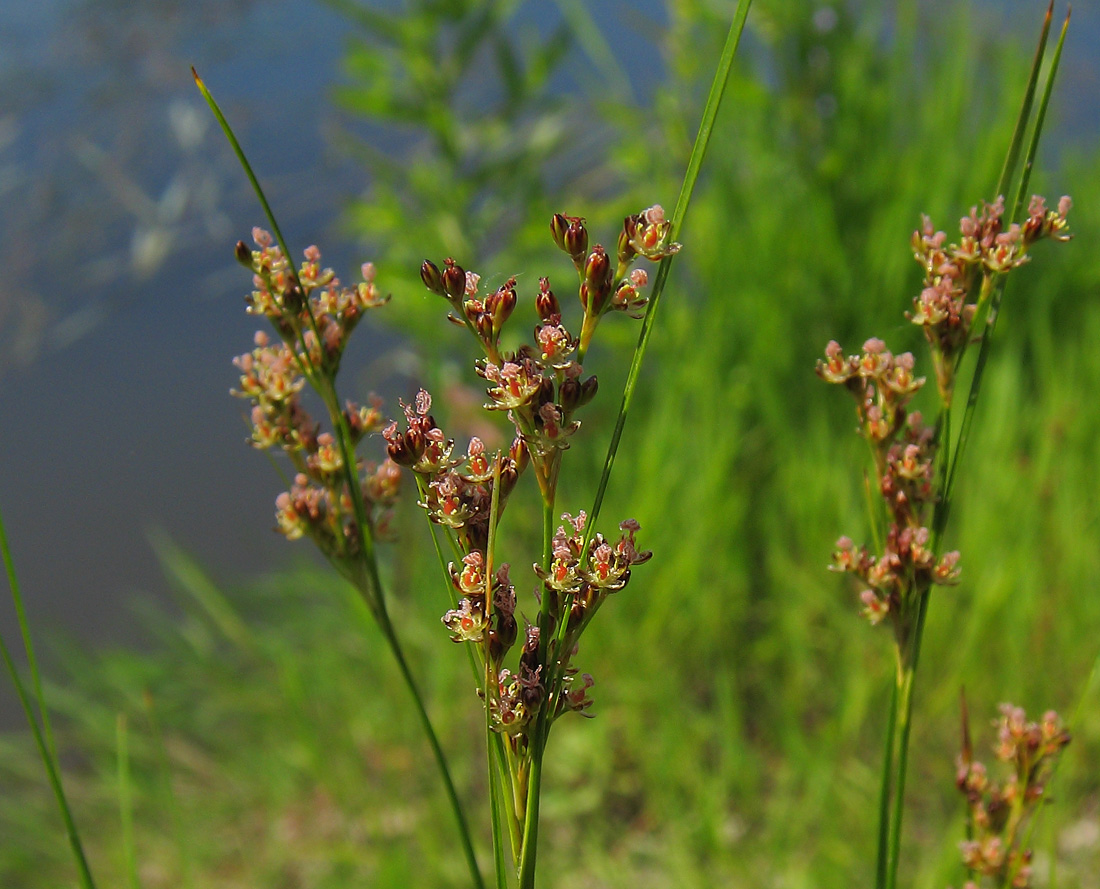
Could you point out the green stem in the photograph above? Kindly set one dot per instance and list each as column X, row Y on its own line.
column 491, row 679
column 437, row 751
column 903, row 695
column 695, row 162
column 531, row 818
column 884, row 793
column 28, row 645
column 44, row 743
column 86, row 880
column 542, row 721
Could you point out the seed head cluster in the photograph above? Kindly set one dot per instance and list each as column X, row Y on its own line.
column 540, row 386
column 958, row 287
column 333, row 491
column 998, row 812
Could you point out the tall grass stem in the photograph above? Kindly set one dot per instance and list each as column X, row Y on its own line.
column 691, row 175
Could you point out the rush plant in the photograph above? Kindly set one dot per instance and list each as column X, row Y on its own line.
column 342, row 502
column 914, row 464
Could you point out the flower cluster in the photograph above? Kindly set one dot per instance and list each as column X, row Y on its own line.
column 540, row 386
column 997, row 812
column 958, row 287
column 313, row 316
column 958, row 277
column 903, row 449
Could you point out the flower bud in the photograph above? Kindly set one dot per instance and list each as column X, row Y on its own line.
column 454, row 280
column 243, row 254
column 500, row 305
column 559, row 225
column 588, row 390
column 546, row 304
column 597, row 281
column 571, row 236
column 484, row 325
column 519, row 454
column 576, row 239
column 569, row 396
column 626, row 251
column 505, row 629
column 546, row 391
column 406, row 449
column 433, row 280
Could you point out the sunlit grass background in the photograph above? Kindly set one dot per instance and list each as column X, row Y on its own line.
column 740, row 699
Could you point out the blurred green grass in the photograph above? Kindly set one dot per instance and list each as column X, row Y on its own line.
column 740, row 699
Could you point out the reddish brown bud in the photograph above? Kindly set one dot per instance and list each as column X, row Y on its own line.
column 243, row 254
column 505, row 629
column 454, row 280
column 626, row 249
column 546, row 304
column 569, row 396
column 433, row 280
column 576, row 239
column 484, row 325
column 559, row 225
column 519, row 454
column 588, row 391
column 597, row 281
column 500, row 305
column 571, row 236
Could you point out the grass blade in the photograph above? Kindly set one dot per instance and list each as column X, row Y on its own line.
column 695, row 163
column 237, row 150
column 45, row 746
column 1008, row 171
column 1016, row 209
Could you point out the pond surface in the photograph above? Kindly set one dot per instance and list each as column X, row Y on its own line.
column 120, row 305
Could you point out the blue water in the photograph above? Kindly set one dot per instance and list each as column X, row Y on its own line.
column 120, row 305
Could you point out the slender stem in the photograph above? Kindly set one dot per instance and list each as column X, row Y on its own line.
column 542, row 720
column 695, row 162
column 904, row 711
column 437, row 751
column 371, row 590
column 43, row 738
column 884, row 793
column 531, row 818
column 490, row 680
column 28, row 644
column 86, row 880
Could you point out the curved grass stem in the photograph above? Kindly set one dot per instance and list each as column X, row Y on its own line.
column 43, row 741
column 370, row 584
column 691, row 175
column 437, row 752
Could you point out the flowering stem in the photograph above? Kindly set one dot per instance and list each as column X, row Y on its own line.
column 490, row 679
column 369, row 584
column 437, row 751
column 531, row 817
column 884, row 793
column 902, row 716
column 542, row 724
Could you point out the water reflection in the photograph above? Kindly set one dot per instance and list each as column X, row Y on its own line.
column 120, row 303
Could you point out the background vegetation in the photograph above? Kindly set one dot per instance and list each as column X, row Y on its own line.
column 740, row 699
